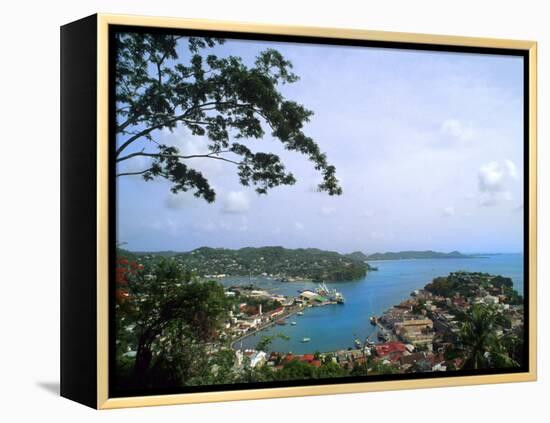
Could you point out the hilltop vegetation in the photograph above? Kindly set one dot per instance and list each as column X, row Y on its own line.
column 468, row 284
column 285, row 264
column 357, row 255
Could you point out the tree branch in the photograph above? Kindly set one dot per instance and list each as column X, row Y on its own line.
column 168, row 156
column 134, row 173
column 181, row 117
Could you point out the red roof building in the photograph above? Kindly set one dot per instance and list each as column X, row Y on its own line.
column 307, row 357
column 388, row 348
column 289, row 357
column 276, row 312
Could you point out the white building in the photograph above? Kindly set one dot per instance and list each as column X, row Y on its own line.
column 490, row 299
column 258, row 358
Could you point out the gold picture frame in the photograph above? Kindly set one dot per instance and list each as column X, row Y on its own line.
column 99, row 27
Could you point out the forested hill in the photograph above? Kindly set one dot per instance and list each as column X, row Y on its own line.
column 281, row 263
column 401, row 255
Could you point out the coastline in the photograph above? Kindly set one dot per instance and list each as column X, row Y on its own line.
column 386, row 288
column 265, row 326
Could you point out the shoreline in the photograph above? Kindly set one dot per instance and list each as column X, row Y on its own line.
column 265, row 326
column 379, row 327
column 369, row 334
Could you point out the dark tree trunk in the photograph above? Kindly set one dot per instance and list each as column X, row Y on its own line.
column 143, row 357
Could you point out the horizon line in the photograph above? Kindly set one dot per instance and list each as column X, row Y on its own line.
column 321, row 249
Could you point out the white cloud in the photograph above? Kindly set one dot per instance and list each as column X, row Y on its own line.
column 512, row 169
column 236, row 202
column 193, row 145
column 449, row 211
column 491, row 177
column 298, row 226
column 457, row 130
column 493, row 181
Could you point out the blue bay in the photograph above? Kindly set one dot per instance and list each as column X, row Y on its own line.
column 335, row 327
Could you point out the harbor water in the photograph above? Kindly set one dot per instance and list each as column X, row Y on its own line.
column 334, row 327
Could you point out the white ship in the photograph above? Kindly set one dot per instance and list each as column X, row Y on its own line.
column 331, row 294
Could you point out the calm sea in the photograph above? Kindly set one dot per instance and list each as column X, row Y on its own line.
column 335, row 327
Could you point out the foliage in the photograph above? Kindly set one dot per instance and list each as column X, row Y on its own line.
column 441, row 286
column 166, row 82
column 168, row 320
column 304, row 263
column 381, row 368
column 299, row 370
column 483, row 347
column 468, row 284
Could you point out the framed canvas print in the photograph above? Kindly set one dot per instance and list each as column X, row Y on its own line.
column 254, row 211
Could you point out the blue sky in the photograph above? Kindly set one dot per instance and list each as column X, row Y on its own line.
column 427, row 146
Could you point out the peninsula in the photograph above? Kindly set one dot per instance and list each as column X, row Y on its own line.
column 286, row 265
column 410, row 255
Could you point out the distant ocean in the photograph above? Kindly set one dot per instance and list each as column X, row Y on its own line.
column 335, row 327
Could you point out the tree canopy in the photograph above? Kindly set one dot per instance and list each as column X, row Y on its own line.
column 164, row 82
column 483, row 346
column 171, row 315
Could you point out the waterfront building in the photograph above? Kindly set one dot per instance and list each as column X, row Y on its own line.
column 390, row 348
column 415, row 331
column 274, row 313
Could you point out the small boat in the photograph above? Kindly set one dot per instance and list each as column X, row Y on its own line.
column 281, row 322
column 306, row 339
column 293, row 323
column 357, row 343
column 300, row 313
column 373, row 320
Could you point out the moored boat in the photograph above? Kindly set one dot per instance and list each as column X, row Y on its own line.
column 331, row 294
